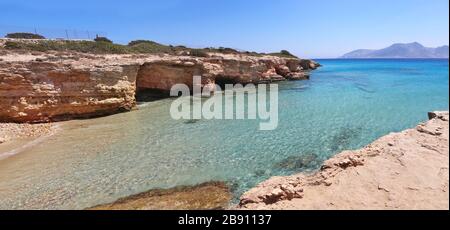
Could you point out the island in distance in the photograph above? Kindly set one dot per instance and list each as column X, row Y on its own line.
column 401, row 50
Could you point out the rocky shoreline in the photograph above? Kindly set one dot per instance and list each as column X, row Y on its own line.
column 54, row 86
column 406, row 170
column 206, row 196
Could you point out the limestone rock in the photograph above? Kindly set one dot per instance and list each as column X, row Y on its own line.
column 64, row 85
column 410, row 166
column 42, row 92
column 206, row 196
column 272, row 191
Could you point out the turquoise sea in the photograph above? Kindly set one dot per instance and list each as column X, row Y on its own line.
column 347, row 104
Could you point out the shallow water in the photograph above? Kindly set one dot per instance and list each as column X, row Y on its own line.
column 346, row 105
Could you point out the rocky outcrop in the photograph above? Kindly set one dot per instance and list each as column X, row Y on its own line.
column 221, row 69
column 206, row 196
column 42, row 91
column 162, row 75
column 407, row 170
column 41, row 87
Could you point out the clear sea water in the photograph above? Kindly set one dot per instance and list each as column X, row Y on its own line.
column 347, row 104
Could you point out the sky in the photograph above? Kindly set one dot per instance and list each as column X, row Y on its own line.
column 307, row 28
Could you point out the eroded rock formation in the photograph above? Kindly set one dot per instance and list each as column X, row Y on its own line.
column 42, row 92
column 52, row 87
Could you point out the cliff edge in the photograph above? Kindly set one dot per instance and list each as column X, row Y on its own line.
column 53, row 86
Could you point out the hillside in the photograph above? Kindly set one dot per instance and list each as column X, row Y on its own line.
column 399, row 50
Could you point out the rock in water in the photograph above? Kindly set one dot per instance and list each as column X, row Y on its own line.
column 207, row 196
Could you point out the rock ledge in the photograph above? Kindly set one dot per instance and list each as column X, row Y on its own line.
column 406, row 170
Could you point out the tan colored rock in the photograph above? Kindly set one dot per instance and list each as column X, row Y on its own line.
column 42, row 92
column 282, row 70
column 406, row 170
column 297, row 76
column 54, row 86
column 162, row 75
column 212, row 195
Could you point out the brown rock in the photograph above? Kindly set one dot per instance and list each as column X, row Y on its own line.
column 212, row 195
column 42, row 92
column 283, row 70
column 297, row 76
column 62, row 86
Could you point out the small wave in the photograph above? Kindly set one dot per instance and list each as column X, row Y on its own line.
column 364, row 88
column 300, row 88
column 143, row 104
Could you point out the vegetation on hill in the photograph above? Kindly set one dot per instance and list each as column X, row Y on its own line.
column 284, row 54
column 139, row 42
column 145, row 46
column 198, row 53
column 24, row 36
column 102, row 39
column 103, row 45
column 78, row 46
column 223, row 50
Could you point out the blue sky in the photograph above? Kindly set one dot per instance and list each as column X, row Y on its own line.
column 313, row 29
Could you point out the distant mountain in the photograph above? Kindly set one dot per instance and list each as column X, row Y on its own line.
column 399, row 50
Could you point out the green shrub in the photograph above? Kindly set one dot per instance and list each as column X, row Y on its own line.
column 287, row 53
column 284, row 54
column 138, row 42
column 143, row 46
column 253, row 53
column 227, row 50
column 12, row 45
column 78, row 46
column 102, row 39
column 198, row 53
column 25, row 36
